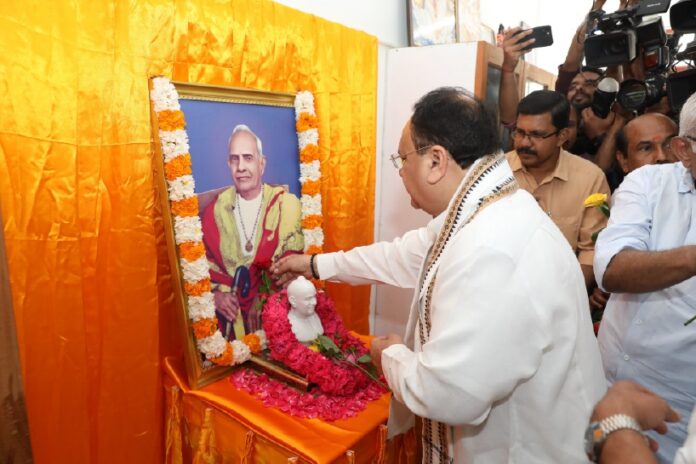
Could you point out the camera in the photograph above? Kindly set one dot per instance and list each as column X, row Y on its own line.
column 621, row 37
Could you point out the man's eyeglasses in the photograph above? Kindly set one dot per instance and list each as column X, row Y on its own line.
column 398, row 159
column 519, row 134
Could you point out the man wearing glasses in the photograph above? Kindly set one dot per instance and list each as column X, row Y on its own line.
column 647, row 258
column 498, row 359
column 558, row 180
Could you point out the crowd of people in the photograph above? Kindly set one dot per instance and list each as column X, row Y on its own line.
column 499, row 361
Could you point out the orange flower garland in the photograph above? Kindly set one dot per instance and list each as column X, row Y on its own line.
column 311, row 187
column 311, row 222
column 253, row 342
column 179, row 166
column 185, row 208
column 197, row 288
column 305, row 122
column 191, row 251
column 309, row 153
column 171, row 120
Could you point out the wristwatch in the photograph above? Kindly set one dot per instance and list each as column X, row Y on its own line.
column 597, row 432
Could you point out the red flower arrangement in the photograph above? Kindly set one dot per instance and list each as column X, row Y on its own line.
column 328, row 375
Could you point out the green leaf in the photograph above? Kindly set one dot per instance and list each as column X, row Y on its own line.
column 327, row 346
column 604, row 208
column 366, row 358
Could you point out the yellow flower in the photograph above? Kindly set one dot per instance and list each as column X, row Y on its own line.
column 595, row 200
column 314, row 348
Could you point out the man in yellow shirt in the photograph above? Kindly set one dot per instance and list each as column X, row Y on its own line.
column 244, row 228
column 558, row 180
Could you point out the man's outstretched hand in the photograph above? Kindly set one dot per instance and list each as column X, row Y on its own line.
column 290, row 267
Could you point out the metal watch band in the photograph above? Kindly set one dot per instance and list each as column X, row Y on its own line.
column 618, row 422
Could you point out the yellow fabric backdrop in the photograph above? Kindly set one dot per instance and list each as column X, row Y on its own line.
column 84, row 237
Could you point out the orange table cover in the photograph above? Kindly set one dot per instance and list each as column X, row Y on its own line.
column 275, row 436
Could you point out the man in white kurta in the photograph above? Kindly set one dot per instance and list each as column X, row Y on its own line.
column 499, row 357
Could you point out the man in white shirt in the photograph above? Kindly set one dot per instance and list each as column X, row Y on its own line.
column 498, row 359
column 646, row 257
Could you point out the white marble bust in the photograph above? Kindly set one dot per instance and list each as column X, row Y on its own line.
column 304, row 321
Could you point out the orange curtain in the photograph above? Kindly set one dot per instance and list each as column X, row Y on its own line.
column 87, row 259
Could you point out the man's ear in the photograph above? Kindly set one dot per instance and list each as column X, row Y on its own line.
column 262, row 164
column 563, row 136
column 438, row 162
column 682, row 148
column 623, row 161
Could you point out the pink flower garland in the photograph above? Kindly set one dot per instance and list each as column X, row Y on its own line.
column 331, row 378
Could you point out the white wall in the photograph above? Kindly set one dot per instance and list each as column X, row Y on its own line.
column 385, row 19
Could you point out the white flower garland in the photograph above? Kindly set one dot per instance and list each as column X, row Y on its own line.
column 310, row 170
column 188, row 231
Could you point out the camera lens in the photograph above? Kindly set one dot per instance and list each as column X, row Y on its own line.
column 632, row 95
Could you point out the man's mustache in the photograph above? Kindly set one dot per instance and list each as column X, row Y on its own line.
column 526, row 151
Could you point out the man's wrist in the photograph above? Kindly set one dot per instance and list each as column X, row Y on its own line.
column 626, row 445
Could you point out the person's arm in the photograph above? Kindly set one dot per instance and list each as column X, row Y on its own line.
column 649, row 410
column 607, row 150
column 471, row 326
column 395, row 263
column 513, row 42
column 623, row 261
column 634, row 271
column 576, row 51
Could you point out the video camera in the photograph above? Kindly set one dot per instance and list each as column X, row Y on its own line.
column 619, row 37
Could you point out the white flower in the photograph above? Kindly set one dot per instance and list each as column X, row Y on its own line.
column 187, row 229
column 241, row 352
column 164, row 95
column 313, row 237
column 304, row 103
column 262, row 339
column 212, row 346
column 195, row 270
column 201, row 307
column 174, row 143
column 181, row 188
column 308, row 137
column 311, row 204
column 309, row 171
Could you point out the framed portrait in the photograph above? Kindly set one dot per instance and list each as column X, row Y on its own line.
column 245, row 168
column 432, row 22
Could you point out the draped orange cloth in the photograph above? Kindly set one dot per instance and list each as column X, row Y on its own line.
column 277, row 436
column 86, row 251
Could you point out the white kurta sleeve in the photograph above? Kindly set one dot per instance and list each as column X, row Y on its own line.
column 395, row 263
column 486, row 338
column 629, row 224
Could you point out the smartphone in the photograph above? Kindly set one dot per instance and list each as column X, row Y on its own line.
column 543, row 37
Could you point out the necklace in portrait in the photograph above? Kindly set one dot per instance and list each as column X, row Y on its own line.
column 249, row 246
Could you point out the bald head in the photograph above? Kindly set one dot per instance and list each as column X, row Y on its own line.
column 645, row 140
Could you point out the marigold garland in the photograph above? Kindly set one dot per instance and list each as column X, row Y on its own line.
column 204, row 328
column 226, row 358
column 309, row 153
column 313, row 250
column 311, row 187
column 253, row 342
column 170, row 120
column 191, row 251
column 305, row 122
column 185, row 208
column 177, row 167
column 311, row 222
column 197, row 288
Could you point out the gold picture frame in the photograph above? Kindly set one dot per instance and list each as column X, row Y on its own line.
column 199, row 372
